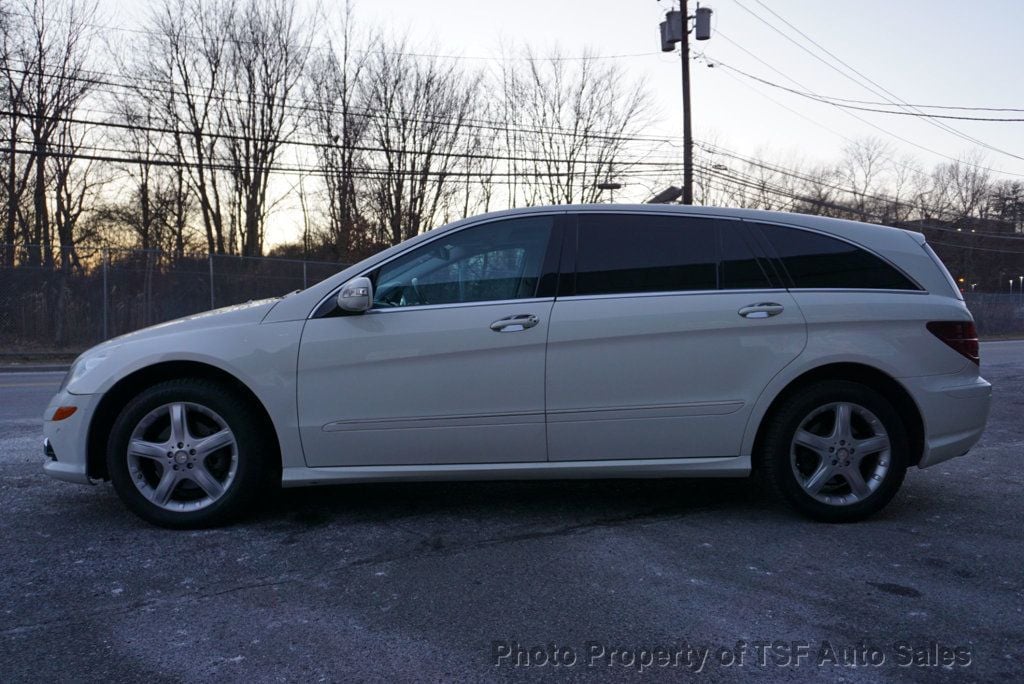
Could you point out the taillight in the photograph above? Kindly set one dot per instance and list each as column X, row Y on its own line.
column 961, row 336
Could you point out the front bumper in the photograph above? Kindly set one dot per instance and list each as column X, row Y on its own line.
column 954, row 409
column 67, row 439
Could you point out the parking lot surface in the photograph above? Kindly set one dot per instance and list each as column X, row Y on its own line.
column 439, row 582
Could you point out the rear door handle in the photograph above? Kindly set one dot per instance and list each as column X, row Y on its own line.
column 515, row 323
column 762, row 310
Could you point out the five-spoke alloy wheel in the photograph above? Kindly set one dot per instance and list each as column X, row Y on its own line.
column 182, row 456
column 837, row 451
column 840, row 453
column 188, row 453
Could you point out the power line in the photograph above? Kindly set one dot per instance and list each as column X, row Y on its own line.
column 329, row 48
column 848, row 113
column 110, row 155
column 174, row 89
column 871, row 124
column 767, row 185
column 876, row 89
column 358, row 148
column 98, row 153
column 844, row 103
column 924, row 106
column 972, row 247
column 835, row 57
column 664, row 167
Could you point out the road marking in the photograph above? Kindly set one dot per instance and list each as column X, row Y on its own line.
column 26, row 371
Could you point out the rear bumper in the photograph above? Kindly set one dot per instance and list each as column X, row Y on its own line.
column 954, row 409
column 65, row 441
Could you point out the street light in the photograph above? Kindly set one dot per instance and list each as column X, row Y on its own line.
column 669, row 194
column 611, row 187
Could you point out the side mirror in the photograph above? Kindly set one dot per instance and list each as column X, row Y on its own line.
column 356, row 295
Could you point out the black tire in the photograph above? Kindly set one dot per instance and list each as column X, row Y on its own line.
column 778, row 468
column 255, row 468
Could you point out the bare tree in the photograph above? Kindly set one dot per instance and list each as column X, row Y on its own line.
column 1008, row 203
column 156, row 196
column 906, row 187
column 45, row 69
column 819, row 191
column 579, row 115
column 339, row 124
column 186, row 53
column 962, row 188
column 862, row 169
column 75, row 179
column 478, row 183
column 10, row 94
column 420, row 110
column 268, row 45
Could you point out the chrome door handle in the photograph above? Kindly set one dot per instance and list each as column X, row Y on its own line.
column 515, row 323
column 762, row 310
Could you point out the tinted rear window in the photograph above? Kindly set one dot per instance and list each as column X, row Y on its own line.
column 818, row 261
column 622, row 253
column 634, row 253
column 738, row 269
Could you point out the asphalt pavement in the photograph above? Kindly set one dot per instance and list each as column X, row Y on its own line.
column 623, row 580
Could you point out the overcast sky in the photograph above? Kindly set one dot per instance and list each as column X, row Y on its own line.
column 941, row 52
column 923, row 51
column 933, row 52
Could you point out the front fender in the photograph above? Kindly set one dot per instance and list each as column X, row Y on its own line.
column 263, row 357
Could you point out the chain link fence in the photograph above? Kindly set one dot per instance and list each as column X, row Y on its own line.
column 997, row 314
column 46, row 308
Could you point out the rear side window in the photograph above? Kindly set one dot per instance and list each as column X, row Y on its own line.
column 738, row 269
column 818, row 261
column 633, row 253
column 624, row 253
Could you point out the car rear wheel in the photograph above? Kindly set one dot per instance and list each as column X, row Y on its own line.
column 187, row 453
column 836, row 451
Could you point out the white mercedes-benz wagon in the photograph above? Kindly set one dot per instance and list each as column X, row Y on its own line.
column 826, row 356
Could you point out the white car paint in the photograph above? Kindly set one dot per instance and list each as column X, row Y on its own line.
column 645, row 376
column 375, row 396
column 416, row 376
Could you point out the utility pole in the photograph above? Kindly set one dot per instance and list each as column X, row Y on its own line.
column 676, row 29
column 684, row 52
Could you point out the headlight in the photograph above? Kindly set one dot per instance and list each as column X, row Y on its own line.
column 67, row 377
column 80, row 367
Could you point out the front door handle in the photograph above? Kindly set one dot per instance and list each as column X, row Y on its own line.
column 762, row 310
column 515, row 323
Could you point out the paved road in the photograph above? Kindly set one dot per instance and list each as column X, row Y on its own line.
column 393, row 582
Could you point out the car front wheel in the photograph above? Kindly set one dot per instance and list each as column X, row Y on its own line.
column 837, row 451
column 187, row 453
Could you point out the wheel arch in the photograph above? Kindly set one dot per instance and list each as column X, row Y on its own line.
column 863, row 374
column 122, row 391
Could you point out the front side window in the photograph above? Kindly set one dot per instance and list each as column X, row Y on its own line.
column 814, row 260
column 496, row 261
